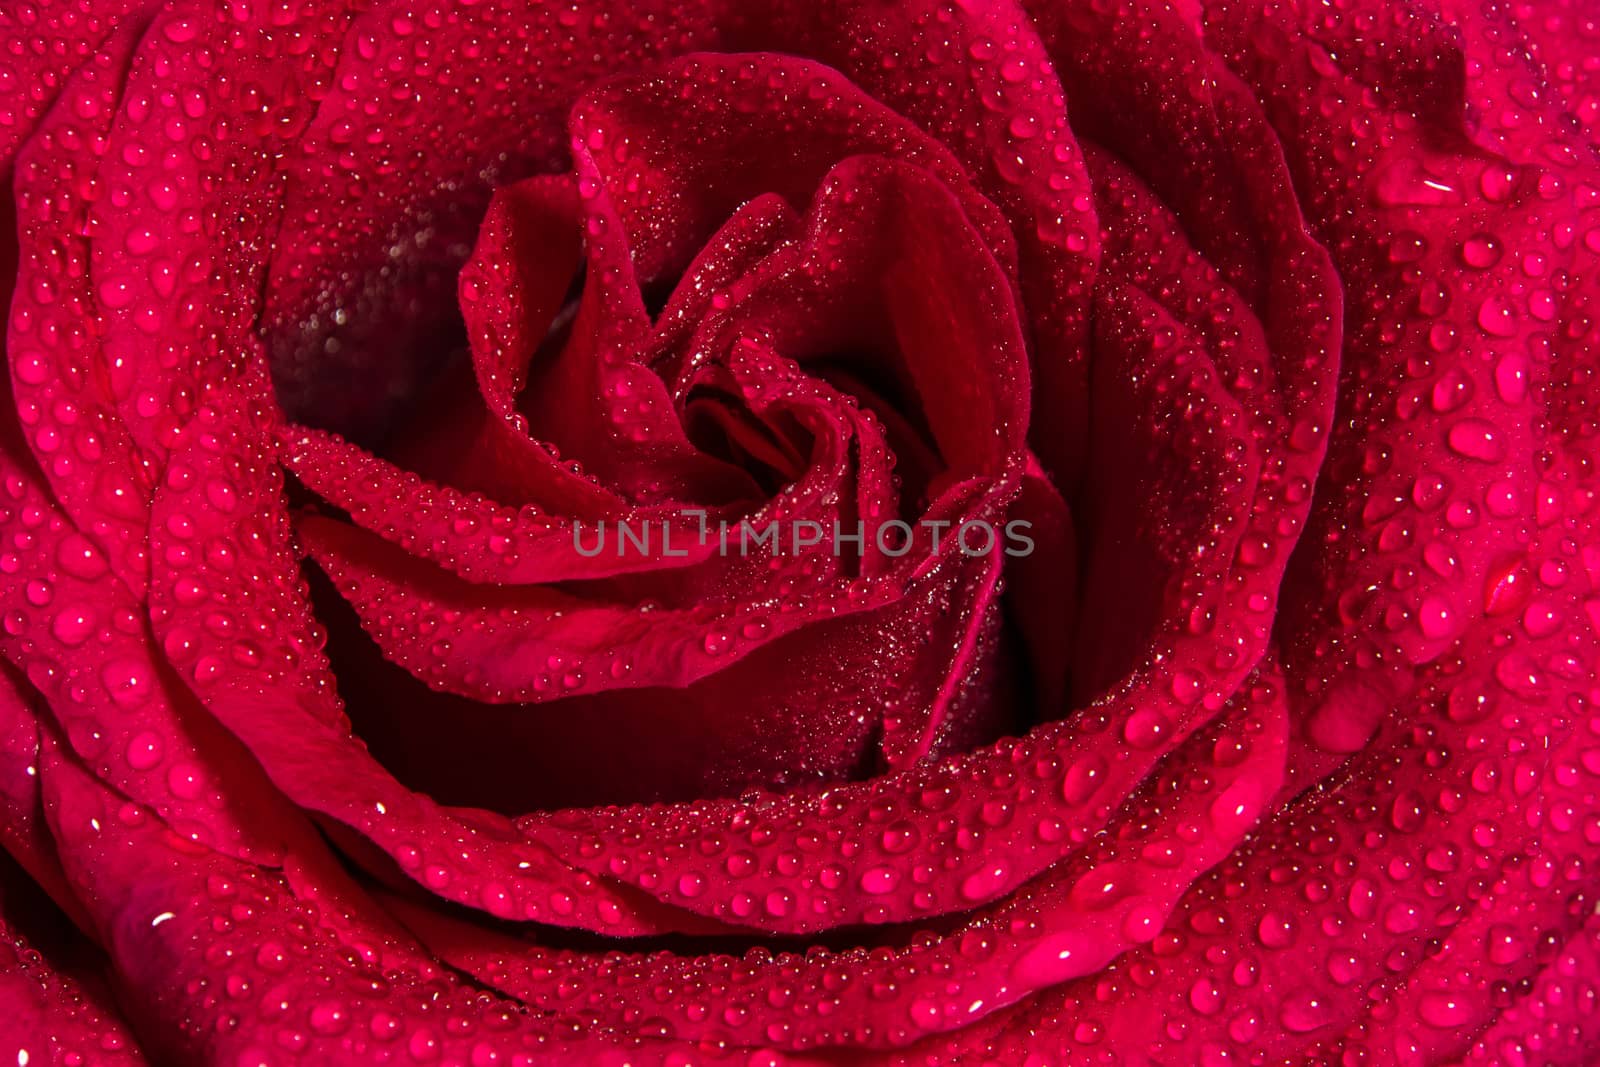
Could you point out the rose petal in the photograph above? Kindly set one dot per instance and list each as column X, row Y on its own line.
column 51, row 1018
column 186, row 289
column 80, row 638
column 1059, row 775
column 59, row 387
column 1445, row 374
column 751, row 234
column 1554, row 1022
column 50, row 41
column 22, row 828
column 180, row 921
column 893, row 283
column 655, row 843
column 1043, row 588
column 526, row 256
column 473, row 99
column 675, row 152
column 459, row 617
column 1198, row 469
column 996, row 101
column 539, row 643
column 280, row 701
column 1071, row 921
column 587, row 397
column 1411, row 865
column 478, row 538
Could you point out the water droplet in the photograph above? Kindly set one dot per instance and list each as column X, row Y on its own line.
column 1477, row 439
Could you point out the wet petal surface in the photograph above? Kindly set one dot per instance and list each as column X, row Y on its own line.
column 394, row 394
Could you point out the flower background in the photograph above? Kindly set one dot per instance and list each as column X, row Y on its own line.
column 319, row 743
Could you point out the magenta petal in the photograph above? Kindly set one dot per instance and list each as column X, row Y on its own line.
column 893, row 279
column 997, row 103
column 179, row 921
column 471, row 100
column 1073, row 920
column 1555, row 1021
column 184, row 296
column 1149, row 710
column 538, row 643
column 1468, row 354
column 1043, row 589
column 279, row 698
column 752, row 233
column 51, row 1018
column 967, row 624
column 23, row 832
column 1387, row 913
column 478, row 538
column 673, row 173
column 49, row 41
column 81, row 639
column 528, row 252
column 654, row 846
column 1314, row 765
column 65, row 406
column 590, row 398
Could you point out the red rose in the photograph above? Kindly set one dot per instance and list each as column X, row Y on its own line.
column 822, row 532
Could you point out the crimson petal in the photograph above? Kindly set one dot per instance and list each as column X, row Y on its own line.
column 1057, row 776
column 978, row 77
column 52, row 1018
column 82, row 640
column 280, row 699
column 23, row 832
column 50, row 41
column 385, row 185
column 59, row 373
column 1072, row 921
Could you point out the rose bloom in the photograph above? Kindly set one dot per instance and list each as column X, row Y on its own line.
column 337, row 331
